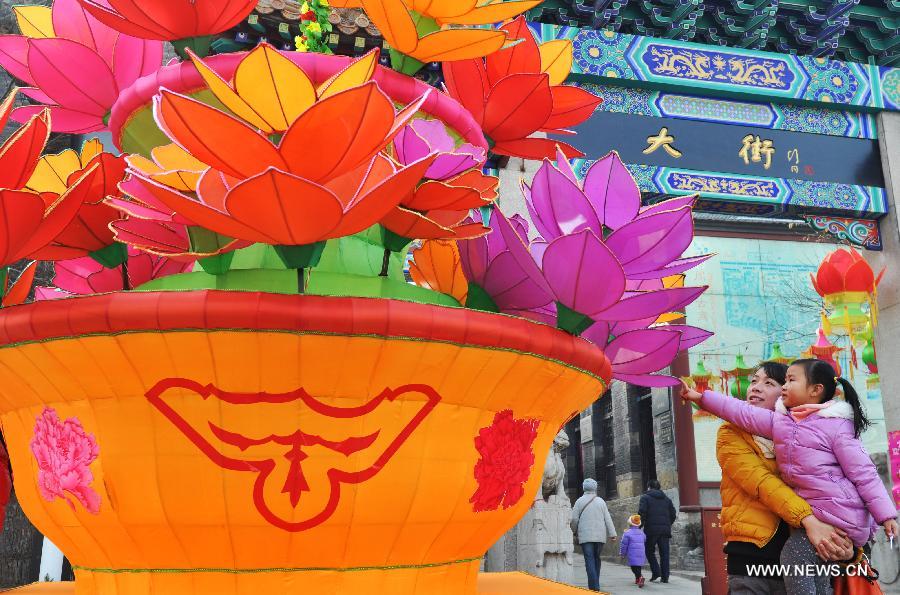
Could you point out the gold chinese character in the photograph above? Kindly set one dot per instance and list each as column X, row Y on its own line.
column 664, row 140
column 794, row 155
column 755, row 149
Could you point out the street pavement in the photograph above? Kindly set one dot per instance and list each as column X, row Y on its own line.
column 618, row 579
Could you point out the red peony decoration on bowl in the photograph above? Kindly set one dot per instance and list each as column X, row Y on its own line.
column 507, row 456
column 64, row 453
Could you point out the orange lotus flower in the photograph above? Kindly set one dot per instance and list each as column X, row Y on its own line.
column 169, row 20
column 441, row 30
column 518, row 91
column 436, row 266
column 270, row 92
column 324, row 179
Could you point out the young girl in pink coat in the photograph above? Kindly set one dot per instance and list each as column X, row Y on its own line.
column 820, row 456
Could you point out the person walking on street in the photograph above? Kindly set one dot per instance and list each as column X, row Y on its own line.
column 633, row 548
column 592, row 526
column 658, row 513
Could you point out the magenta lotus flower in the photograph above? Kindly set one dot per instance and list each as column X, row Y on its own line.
column 636, row 354
column 64, row 453
column 77, row 67
column 84, row 276
column 588, row 279
column 421, row 138
column 647, row 242
column 502, row 275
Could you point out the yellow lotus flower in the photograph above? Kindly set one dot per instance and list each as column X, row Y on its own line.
column 171, row 166
column 53, row 171
column 314, row 28
column 270, row 92
column 434, row 30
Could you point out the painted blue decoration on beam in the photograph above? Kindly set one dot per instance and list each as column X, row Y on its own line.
column 679, row 66
column 795, row 118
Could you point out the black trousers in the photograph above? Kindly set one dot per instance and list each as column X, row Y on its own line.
column 660, row 568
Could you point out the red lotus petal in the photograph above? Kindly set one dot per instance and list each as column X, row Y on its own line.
column 535, row 148
column 60, row 212
column 859, row 277
column 215, row 138
column 571, row 107
column 20, row 153
column 439, row 195
column 381, row 199
column 518, row 106
column 348, row 128
column 524, row 56
column 467, row 82
column 21, row 214
column 288, row 209
column 18, row 293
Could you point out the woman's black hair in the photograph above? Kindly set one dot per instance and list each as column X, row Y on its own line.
column 775, row 370
column 819, row 372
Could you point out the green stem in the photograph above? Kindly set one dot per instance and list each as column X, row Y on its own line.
column 478, row 299
column 201, row 46
column 126, row 282
column 111, row 256
column 571, row 321
column 218, row 264
column 385, row 263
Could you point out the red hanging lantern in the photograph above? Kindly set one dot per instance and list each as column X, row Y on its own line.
column 848, row 284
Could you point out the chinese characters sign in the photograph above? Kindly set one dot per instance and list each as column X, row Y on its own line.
column 729, row 149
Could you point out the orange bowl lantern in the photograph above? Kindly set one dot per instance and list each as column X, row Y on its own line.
column 240, row 442
column 848, row 285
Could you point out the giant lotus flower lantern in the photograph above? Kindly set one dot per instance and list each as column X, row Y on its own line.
column 278, row 410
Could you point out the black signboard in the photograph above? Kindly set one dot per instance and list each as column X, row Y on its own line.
column 726, row 148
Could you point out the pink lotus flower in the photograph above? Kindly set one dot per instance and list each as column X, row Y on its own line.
column 152, row 226
column 423, row 137
column 74, row 64
column 84, row 276
column 64, row 453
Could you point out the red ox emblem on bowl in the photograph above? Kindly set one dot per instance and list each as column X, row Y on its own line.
column 306, row 446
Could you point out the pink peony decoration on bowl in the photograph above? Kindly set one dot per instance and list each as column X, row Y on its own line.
column 64, row 453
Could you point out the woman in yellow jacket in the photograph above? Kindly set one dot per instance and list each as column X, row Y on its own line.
column 758, row 508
